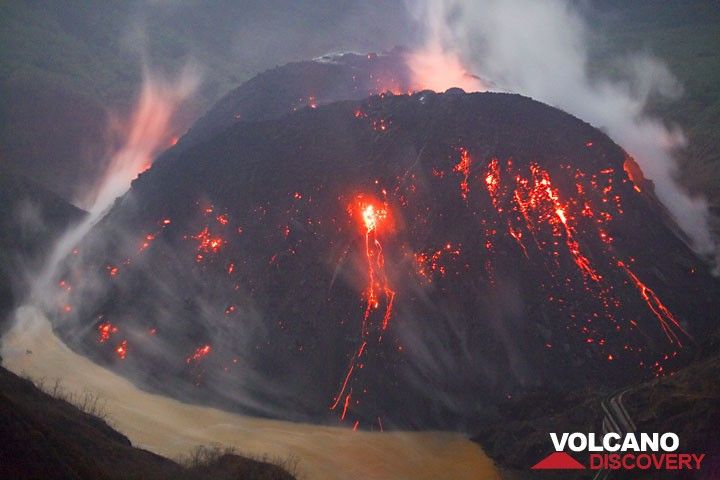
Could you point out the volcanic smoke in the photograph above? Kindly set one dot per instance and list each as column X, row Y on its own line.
column 150, row 129
column 541, row 49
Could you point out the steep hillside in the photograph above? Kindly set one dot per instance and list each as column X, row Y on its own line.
column 405, row 260
column 31, row 218
column 49, row 438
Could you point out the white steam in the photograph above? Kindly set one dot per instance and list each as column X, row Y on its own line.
column 437, row 65
column 540, row 49
column 150, row 129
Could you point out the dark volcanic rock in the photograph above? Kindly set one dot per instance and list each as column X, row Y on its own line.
column 297, row 85
column 237, row 271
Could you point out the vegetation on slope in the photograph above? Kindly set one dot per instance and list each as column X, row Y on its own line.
column 51, row 438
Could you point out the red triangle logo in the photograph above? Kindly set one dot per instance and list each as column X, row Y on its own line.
column 558, row 461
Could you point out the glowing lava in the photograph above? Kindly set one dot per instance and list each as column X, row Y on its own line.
column 665, row 317
column 531, row 205
column 105, row 330
column 122, row 349
column 377, row 292
column 463, row 167
column 377, row 281
column 634, row 173
column 430, row 263
column 208, row 242
column 198, row 354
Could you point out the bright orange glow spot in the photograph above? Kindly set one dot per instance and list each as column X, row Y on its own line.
column 372, row 216
column 435, row 68
column 105, row 330
column 199, row 354
column 634, row 173
column 207, row 242
column 122, row 349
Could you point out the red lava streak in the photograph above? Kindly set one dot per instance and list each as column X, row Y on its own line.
column 377, row 293
column 463, row 167
column 529, row 205
column 538, row 202
column 377, row 282
column 665, row 317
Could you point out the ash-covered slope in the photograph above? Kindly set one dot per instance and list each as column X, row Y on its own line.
column 400, row 261
column 31, row 219
column 297, row 85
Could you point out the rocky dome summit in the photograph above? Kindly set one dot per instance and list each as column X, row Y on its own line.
column 348, row 262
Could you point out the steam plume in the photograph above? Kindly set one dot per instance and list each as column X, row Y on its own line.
column 437, row 64
column 151, row 128
column 540, row 49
